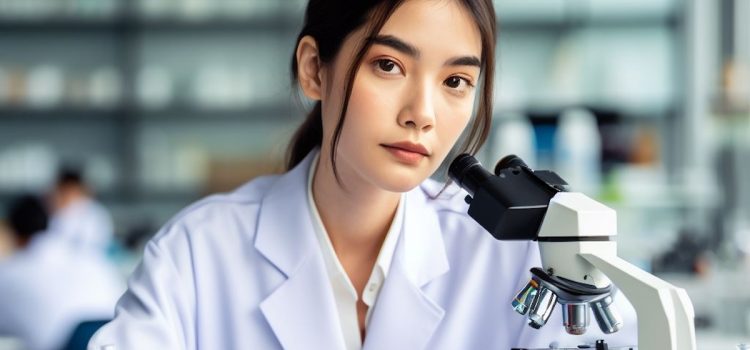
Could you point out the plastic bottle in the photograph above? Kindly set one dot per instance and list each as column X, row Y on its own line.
column 578, row 151
column 514, row 134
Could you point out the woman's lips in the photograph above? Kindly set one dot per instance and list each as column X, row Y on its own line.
column 406, row 156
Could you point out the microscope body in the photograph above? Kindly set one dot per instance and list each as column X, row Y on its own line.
column 665, row 313
column 576, row 236
column 576, row 224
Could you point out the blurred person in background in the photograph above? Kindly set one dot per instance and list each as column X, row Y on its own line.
column 6, row 241
column 47, row 288
column 77, row 217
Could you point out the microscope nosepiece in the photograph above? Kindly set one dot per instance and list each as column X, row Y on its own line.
column 606, row 316
column 542, row 307
column 576, row 318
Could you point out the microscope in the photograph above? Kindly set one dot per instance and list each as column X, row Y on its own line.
column 576, row 237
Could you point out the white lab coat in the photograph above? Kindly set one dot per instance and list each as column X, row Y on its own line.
column 46, row 290
column 85, row 225
column 244, row 271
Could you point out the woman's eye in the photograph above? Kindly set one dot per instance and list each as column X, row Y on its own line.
column 388, row 66
column 454, row 82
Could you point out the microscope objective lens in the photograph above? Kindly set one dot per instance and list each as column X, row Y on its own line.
column 542, row 307
column 523, row 300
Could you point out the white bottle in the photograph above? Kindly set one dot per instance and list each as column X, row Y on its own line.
column 154, row 88
column 45, row 86
column 513, row 134
column 578, row 151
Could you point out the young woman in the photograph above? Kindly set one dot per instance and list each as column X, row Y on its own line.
column 351, row 248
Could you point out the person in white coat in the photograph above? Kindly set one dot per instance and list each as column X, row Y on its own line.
column 354, row 247
column 47, row 289
column 77, row 218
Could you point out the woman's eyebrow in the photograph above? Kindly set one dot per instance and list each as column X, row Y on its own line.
column 408, row 49
column 464, row 61
column 396, row 44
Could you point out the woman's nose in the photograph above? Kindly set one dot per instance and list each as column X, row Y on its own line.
column 419, row 112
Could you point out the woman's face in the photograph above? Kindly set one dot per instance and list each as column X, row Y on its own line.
column 412, row 96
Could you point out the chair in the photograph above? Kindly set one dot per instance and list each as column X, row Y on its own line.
column 79, row 339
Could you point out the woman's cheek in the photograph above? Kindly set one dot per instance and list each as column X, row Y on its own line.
column 376, row 103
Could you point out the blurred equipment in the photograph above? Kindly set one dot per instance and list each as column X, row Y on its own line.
column 517, row 203
column 687, row 255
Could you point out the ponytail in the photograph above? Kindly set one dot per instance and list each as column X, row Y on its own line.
column 308, row 136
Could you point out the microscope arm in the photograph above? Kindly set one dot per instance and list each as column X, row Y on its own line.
column 665, row 313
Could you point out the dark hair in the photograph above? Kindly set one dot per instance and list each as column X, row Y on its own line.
column 27, row 216
column 329, row 22
column 69, row 175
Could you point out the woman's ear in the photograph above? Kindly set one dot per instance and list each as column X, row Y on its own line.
column 309, row 68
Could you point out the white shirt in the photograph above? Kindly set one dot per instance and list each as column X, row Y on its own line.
column 344, row 292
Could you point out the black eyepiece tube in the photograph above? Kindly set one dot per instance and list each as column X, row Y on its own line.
column 510, row 161
column 468, row 173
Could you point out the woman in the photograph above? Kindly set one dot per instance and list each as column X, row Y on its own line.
column 351, row 247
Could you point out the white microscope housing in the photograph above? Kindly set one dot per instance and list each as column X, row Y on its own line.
column 665, row 313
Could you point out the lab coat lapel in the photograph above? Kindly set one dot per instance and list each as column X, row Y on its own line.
column 301, row 312
column 404, row 317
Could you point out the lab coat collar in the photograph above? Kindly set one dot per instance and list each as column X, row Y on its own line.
column 302, row 311
column 404, row 317
column 284, row 233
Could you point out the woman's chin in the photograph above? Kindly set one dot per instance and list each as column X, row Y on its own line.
column 395, row 182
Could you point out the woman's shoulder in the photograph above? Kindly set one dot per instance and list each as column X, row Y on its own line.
column 445, row 198
column 468, row 243
column 220, row 212
column 448, row 202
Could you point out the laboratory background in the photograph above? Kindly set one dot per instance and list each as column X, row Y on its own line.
column 643, row 105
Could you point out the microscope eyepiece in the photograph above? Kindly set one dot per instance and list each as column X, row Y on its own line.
column 468, row 173
column 510, row 161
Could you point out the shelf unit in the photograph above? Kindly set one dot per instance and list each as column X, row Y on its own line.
column 127, row 31
column 132, row 23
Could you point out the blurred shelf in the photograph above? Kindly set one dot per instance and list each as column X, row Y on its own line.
column 60, row 24
column 557, row 15
column 526, row 17
column 274, row 23
column 140, row 195
column 611, row 112
column 27, row 114
column 668, row 198
column 266, row 23
column 265, row 112
column 562, row 23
